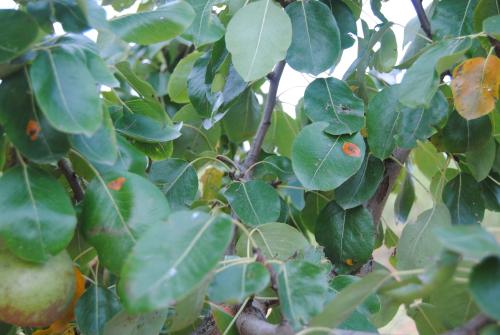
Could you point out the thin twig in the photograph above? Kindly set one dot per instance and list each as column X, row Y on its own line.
column 472, row 327
column 422, row 17
column 72, row 179
column 265, row 122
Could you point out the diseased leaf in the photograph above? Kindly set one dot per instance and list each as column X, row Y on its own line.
column 255, row 202
column 115, row 214
column 258, row 37
column 323, row 162
column 159, row 25
column 332, row 101
column 462, row 196
column 172, row 259
column 418, row 245
column 38, row 220
column 315, row 37
column 347, row 235
column 475, row 86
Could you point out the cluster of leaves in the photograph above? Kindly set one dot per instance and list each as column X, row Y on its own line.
column 170, row 218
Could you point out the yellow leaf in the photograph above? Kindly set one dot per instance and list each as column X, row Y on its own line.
column 475, row 86
column 211, row 182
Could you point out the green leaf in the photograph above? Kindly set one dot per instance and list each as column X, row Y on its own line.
column 142, row 87
column 94, row 308
column 164, row 23
column 372, row 303
column 449, row 304
column 462, row 196
column 485, row 286
column 195, row 138
column 133, row 123
column 491, row 193
column 65, row 91
column 324, row 162
column 421, row 81
column 258, row 37
column 275, row 240
column 281, row 133
column 404, row 200
column 315, row 44
column 38, row 218
column 302, row 287
column 452, row 18
column 481, row 161
column 347, row 235
column 332, row 101
column 418, row 245
column 19, row 31
column 345, row 21
column 255, row 202
column 101, row 147
column 483, row 10
column 382, row 118
column 177, row 179
column 235, row 282
column 180, row 254
column 348, row 299
column 362, row 186
column 206, row 27
column 461, row 135
column 26, row 127
column 115, row 214
column 129, row 159
column 427, row 159
column 385, row 58
column 471, row 241
column 426, row 319
column 177, row 84
column 200, row 90
column 491, row 26
column 242, row 119
column 142, row 324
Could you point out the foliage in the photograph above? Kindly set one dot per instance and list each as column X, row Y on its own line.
column 129, row 153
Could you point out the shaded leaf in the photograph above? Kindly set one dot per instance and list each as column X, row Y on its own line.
column 404, row 200
column 96, row 307
column 242, row 118
column 177, row 179
column 418, row 245
column 481, row 161
column 177, row 83
column 490, row 26
column 462, row 196
column 19, row 31
column 347, row 235
column 281, row 133
column 143, row 324
column 485, row 286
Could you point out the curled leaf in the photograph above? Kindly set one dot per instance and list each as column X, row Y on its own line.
column 475, row 86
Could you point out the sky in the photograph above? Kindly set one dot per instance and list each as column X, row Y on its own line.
column 293, row 83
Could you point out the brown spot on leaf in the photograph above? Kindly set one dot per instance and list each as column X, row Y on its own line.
column 116, row 184
column 33, row 129
column 349, row 262
column 351, row 149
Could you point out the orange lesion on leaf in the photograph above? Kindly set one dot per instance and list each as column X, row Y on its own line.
column 33, row 129
column 475, row 86
column 351, row 149
column 63, row 326
column 117, row 183
column 349, row 262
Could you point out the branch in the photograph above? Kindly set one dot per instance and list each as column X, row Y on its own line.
column 472, row 327
column 265, row 122
column 422, row 17
column 377, row 203
column 72, row 179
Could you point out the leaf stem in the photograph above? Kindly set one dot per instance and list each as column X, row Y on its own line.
column 422, row 17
